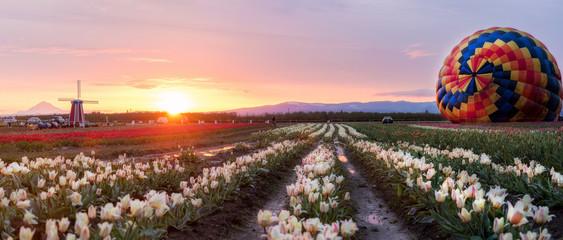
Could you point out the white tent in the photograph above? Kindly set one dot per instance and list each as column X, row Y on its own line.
column 162, row 120
column 33, row 120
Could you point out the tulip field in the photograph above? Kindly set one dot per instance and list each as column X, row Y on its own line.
column 456, row 184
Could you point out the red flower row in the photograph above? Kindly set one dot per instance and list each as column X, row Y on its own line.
column 119, row 133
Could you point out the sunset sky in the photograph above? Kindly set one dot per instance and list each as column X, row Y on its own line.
column 220, row 55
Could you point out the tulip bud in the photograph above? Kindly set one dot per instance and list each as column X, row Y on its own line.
column 498, row 225
column 105, row 229
column 297, row 210
column 43, row 196
column 26, row 233
column 479, row 205
column 62, row 181
column 40, row 183
column 63, row 225
column 92, row 212
column 324, row 207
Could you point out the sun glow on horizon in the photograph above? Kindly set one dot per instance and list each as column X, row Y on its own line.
column 174, row 102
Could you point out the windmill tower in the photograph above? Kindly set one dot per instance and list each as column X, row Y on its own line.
column 76, row 116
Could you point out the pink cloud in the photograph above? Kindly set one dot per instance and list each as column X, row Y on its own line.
column 413, row 51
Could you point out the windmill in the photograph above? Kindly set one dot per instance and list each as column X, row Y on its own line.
column 76, row 116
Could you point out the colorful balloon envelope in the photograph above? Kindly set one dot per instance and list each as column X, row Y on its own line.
column 499, row 75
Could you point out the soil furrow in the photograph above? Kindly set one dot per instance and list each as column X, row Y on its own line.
column 374, row 219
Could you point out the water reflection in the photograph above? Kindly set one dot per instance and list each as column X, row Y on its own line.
column 374, row 219
column 341, row 156
column 212, row 152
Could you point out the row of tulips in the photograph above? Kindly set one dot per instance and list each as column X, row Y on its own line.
column 330, row 132
column 532, row 178
column 320, row 131
column 320, row 208
column 297, row 131
column 122, row 199
column 502, row 146
column 101, row 133
column 458, row 201
column 352, row 132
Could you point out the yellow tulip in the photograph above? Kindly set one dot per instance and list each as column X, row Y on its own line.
column 62, row 181
column 497, row 202
column 23, row 204
column 136, row 207
column 460, row 201
column 542, row 216
column 265, row 218
column 544, row 235
column 312, row 225
column 465, row 215
column 63, row 224
column 328, row 189
column 51, row 230
column 125, row 200
column 70, row 236
column 479, row 205
column 440, row 196
column 324, row 207
column 284, row 214
column 76, row 199
column 197, row 202
column 348, row 228
column 26, row 233
column 498, row 225
column 529, row 235
column 29, row 218
column 105, row 229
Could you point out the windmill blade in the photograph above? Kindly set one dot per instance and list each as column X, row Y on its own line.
column 66, row 99
column 90, row 102
column 78, row 86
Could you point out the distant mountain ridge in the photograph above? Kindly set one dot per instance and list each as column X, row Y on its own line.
column 42, row 108
column 379, row 106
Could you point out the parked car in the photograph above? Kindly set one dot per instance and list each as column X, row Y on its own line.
column 58, row 119
column 10, row 120
column 387, row 119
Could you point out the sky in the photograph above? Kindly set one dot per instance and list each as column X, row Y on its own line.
column 218, row 55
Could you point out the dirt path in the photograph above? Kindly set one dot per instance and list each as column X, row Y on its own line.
column 277, row 202
column 375, row 220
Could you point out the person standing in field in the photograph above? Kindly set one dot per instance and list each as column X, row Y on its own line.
column 274, row 121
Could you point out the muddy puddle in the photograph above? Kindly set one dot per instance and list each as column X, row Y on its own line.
column 202, row 152
column 375, row 220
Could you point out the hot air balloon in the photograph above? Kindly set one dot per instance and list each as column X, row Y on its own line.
column 499, row 75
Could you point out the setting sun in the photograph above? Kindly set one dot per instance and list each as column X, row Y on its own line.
column 174, row 102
